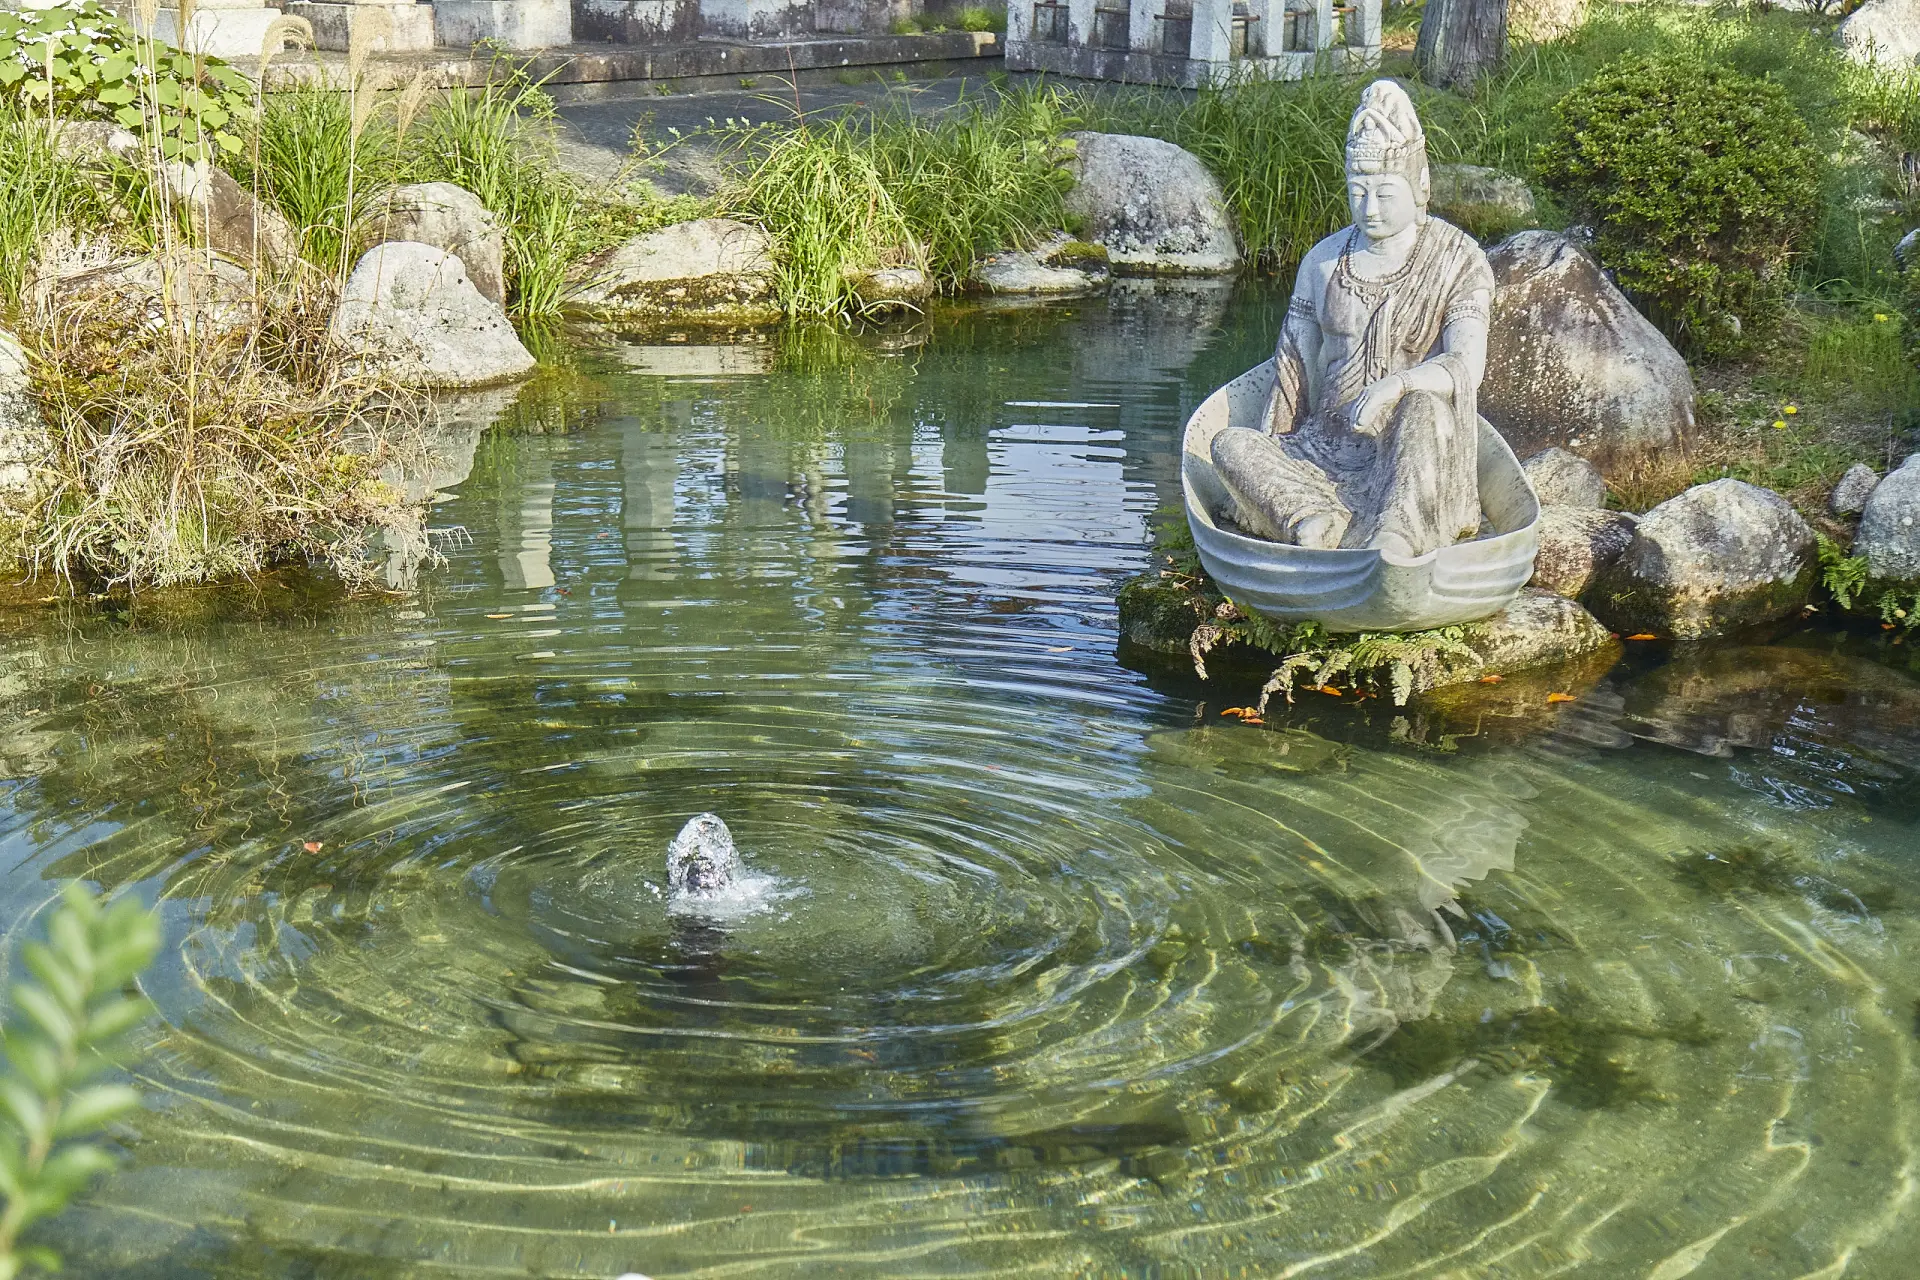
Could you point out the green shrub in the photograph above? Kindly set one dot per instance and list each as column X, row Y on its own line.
column 70, row 1021
column 79, row 60
column 980, row 18
column 1701, row 185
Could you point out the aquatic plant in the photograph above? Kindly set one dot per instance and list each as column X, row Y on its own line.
column 70, row 1023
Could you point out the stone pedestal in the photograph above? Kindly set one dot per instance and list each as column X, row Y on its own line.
column 219, row 28
column 408, row 27
column 511, row 24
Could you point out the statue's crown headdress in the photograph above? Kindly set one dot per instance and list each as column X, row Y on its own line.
column 1385, row 133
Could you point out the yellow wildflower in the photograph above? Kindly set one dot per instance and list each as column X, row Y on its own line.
column 1779, row 425
column 1791, row 409
column 1879, row 317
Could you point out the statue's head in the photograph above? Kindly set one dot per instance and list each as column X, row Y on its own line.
column 1387, row 179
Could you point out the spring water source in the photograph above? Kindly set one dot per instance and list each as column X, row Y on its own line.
column 1051, row 970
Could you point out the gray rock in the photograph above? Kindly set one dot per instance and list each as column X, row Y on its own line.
column 409, row 312
column 226, row 217
column 891, row 288
column 94, row 142
column 449, row 218
column 1562, row 479
column 1018, row 272
column 1154, row 206
column 23, row 433
column 1889, row 535
column 1883, row 31
column 1470, row 192
column 1571, row 364
column 1576, row 545
column 201, row 293
column 710, row 267
column 1541, row 20
column 1536, row 628
column 1849, row 497
column 1717, row 557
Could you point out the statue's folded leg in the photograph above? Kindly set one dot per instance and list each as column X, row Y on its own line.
column 1276, row 495
column 1430, row 490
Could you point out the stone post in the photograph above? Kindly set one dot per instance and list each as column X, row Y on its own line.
column 1213, row 35
column 1019, row 20
column 511, row 24
column 403, row 27
column 1143, row 33
column 1080, row 22
column 218, row 28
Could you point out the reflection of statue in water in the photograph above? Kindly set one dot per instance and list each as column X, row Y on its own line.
column 1371, row 437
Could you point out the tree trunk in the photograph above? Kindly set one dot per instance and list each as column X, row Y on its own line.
column 1460, row 41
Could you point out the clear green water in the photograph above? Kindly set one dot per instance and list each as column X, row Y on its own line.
column 1066, row 976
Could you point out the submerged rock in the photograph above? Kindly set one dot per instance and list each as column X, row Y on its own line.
column 1571, row 364
column 1154, row 206
column 1889, row 535
column 1018, row 272
column 710, row 267
column 410, row 312
column 702, row 860
column 1883, row 31
column 1717, row 557
column 883, row 289
column 449, row 218
column 1577, row 544
column 1849, row 497
column 1562, row 479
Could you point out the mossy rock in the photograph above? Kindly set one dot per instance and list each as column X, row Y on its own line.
column 1158, row 615
column 1079, row 255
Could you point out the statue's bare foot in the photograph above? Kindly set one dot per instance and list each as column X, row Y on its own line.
column 1392, row 544
column 1319, row 531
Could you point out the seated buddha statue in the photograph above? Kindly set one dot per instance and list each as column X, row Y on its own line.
column 1371, row 436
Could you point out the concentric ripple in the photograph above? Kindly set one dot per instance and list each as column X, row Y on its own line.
column 1044, row 972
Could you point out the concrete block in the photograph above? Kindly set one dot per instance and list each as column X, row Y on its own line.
column 409, row 25
column 218, row 33
column 512, row 24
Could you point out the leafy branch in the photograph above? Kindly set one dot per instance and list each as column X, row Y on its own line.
column 69, row 1025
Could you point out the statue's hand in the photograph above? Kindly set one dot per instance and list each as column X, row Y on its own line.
column 1376, row 404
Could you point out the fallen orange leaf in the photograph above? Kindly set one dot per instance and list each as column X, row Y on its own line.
column 1644, row 635
column 1560, row 697
column 1491, row 679
column 1251, row 720
column 1329, row 690
column 313, row 846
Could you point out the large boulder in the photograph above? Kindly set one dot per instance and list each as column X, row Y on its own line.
column 23, row 434
column 1571, row 364
column 1883, row 31
column 1154, row 206
column 1889, row 535
column 1535, row 628
column 1577, row 545
column 449, row 218
column 226, row 218
column 1717, row 557
column 409, row 312
column 713, row 267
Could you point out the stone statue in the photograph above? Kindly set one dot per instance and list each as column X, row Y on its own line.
column 1371, row 438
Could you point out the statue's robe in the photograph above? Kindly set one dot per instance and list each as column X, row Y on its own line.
column 1417, row 476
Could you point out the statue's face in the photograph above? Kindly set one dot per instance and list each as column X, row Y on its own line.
column 1383, row 204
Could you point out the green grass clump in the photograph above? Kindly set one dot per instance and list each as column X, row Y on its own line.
column 980, row 18
column 39, row 193
column 319, row 166
column 846, row 194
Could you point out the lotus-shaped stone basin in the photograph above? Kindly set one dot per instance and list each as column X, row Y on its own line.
column 1364, row 589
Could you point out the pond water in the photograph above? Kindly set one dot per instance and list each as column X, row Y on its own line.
column 1050, row 970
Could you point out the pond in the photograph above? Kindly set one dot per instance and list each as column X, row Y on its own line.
column 1054, row 971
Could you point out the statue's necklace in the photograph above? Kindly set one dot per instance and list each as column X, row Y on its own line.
column 1371, row 291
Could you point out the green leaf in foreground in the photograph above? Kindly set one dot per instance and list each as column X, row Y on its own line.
column 67, row 1025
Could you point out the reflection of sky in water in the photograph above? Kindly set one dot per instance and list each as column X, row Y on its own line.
column 1065, row 975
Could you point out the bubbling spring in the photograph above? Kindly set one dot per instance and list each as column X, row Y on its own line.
column 1026, row 963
